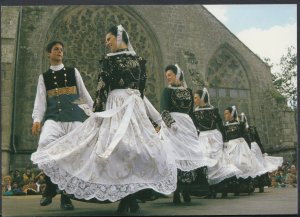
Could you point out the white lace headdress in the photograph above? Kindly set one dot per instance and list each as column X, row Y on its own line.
column 234, row 110
column 179, row 73
column 244, row 119
column 205, row 92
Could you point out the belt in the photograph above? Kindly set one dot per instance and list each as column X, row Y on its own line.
column 61, row 91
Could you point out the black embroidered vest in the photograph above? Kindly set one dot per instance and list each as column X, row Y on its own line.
column 62, row 96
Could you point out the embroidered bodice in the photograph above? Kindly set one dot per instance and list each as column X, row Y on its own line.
column 119, row 72
column 176, row 100
column 208, row 118
column 233, row 130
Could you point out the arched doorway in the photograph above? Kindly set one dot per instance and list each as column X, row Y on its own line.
column 228, row 81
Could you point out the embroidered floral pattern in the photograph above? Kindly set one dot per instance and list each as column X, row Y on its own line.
column 167, row 118
column 233, row 131
column 119, row 72
column 181, row 100
column 207, row 119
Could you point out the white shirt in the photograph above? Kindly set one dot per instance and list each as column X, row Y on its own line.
column 40, row 103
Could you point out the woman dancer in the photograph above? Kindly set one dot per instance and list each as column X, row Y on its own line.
column 269, row 163
column 239, row 152
column 207, row 119
column 178, row 130
column 115, row 153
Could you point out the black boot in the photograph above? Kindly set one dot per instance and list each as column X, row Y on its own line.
column 224, row 195
column 212, row 192
column 186, row 196
column 123, row 206
column 225, row 186
column 49, row 192
column 237, row 190
column 65, row 202
column 133, row 205
column 251, row 186
column 176, row 197
column 261, row 189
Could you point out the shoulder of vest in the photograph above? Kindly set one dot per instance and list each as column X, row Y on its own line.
column 46, row 72
column 70, row 68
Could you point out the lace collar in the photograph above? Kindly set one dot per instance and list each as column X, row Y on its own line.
column 232, row 122
column 122, row 51
column 201, row 108
column 57, row 67
column 179, row 86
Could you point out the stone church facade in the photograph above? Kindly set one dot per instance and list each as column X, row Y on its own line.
column 188, row 35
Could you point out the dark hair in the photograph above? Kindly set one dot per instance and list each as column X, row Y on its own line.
column 173, row 68
column 51, row 44
column 230, row 110
column 200, row 92
column 114, row 31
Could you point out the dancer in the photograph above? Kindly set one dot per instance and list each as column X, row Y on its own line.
column 207, row 119
column 63, row 103
column 178, row 131
column 117, row 152
column 239, row 152
column 269, row 163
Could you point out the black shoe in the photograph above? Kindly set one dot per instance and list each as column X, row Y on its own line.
column 67, row 206
column 224, row 195
column 45, row 201
column 134, row 206
column 123, row 207
column 261, row 189
column 176, row 198
column 66, row 203
column 51, row 188
column 186, row 197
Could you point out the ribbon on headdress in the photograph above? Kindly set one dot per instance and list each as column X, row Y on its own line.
column 244, row 119
column 179, row 73
column 205, row 92
column 233, row 111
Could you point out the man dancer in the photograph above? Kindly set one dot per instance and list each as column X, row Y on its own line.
column 63, row 102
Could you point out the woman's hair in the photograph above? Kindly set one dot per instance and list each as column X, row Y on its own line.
column 200, row 92
column 230, row 110
column 114, row 31
column 173, row 68
column 51, row 44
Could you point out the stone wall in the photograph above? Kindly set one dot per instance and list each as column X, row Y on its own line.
column 9, row 39
column 209, row 53
column 188, row 35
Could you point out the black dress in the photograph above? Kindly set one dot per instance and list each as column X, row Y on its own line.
column 237, row 148
column 119, row 72
column 208, row 118
column 177, row 108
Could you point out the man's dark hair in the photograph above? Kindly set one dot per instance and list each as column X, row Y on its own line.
column 114, row 31
column 51, row 44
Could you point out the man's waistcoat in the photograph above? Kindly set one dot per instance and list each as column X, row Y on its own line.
column 62, row 96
